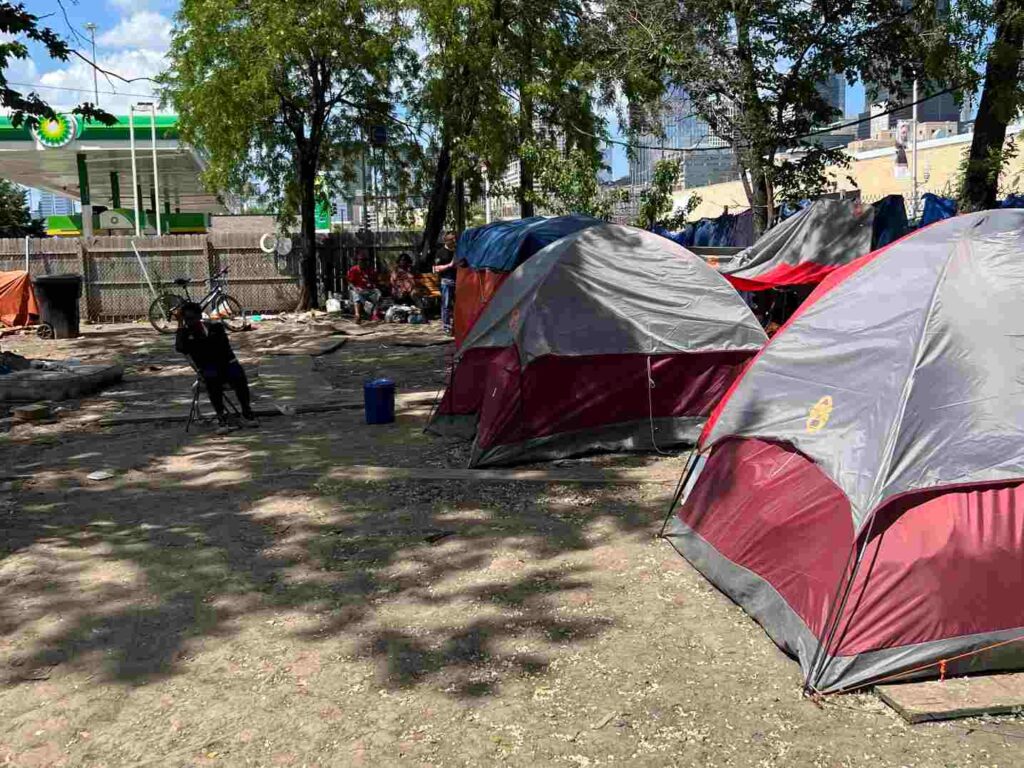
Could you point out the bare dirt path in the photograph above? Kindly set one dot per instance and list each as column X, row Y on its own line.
column 230, row 601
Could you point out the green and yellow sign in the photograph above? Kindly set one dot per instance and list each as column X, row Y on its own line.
column 56, row 132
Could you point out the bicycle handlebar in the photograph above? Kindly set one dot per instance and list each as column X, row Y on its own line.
column 223, row 271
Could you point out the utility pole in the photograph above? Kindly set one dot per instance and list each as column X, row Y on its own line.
column 914, row 151
column 91, row 28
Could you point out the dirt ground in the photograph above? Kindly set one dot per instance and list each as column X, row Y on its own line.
column 230, row 601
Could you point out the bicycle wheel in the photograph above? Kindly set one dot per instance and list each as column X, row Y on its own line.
column 229, row 311
column 162, row 312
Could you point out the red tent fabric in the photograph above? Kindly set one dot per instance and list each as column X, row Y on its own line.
column 860, row 491
column 611, row 338
column 17, row 301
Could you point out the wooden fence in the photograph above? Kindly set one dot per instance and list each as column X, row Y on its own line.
column 115, row 286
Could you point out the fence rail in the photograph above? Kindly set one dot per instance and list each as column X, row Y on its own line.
column 114, row 286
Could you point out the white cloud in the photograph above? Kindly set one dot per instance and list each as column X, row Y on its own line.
column 145, row 29
column 128, row 6
column 78, row 77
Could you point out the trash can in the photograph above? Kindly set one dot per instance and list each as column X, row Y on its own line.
column 379, row 401
column 57, row 296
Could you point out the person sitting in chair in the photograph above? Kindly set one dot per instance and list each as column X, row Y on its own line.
column 403, row 282
column 362, row 283
column 206, row 344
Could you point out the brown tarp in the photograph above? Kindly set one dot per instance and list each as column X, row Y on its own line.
column 17, row 301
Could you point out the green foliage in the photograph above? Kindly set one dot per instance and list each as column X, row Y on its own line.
column 752, row 68
column 567, row 183
column 15, row 218
column 17, row 25
column 277, row 92
column 657, row 205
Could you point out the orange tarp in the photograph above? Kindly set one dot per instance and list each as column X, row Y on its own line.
column 17, row 301
column 473, row 289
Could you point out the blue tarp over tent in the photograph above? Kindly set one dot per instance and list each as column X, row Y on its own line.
column 936, row 208
column 504, row 245
column 727, row 231
column 890, row 222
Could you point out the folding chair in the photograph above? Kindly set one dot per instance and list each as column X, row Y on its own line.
column 195, row 414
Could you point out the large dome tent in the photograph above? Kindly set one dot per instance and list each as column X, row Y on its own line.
column 860, row 489
column 611, row 338
column 487, row 255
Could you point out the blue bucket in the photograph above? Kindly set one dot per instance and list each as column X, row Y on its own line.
column 379, row 401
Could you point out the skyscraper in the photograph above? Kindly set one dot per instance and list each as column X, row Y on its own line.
column 53, row 205
column 712, row 162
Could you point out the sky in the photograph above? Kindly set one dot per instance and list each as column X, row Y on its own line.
column 132, row 37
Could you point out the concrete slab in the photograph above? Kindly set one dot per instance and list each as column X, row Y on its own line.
column 956, row 698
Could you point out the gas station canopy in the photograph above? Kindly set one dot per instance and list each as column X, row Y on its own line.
column 92, row 163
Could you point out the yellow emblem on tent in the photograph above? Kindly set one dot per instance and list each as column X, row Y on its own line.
column 818, row 415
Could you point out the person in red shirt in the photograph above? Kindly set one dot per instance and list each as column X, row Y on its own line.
column 362, row 286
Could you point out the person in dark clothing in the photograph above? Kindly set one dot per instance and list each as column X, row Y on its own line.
column 206, row 344
column 444, row 265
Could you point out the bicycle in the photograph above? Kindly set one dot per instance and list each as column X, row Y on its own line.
column 216, row 305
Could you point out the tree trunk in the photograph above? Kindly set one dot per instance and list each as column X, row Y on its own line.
column 998, row 106
column 437, row 209
column 526, row 208
column 308, row 295
column 460, row 205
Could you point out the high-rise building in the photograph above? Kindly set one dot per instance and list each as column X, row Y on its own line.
column 607, row 172
column 833, row 90
column 53, row 205
column 710, row 159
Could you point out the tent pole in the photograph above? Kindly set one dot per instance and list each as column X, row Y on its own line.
column 684, row 478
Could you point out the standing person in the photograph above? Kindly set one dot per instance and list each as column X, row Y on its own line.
column 362, row 284
column 444, row 265
column 205, row 343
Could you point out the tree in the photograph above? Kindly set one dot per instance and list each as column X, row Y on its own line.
column 503, row 78
column 15, row 217
column 752, row 69
column 567, row 183
column 1002, row 97
column 281, row 92
column 18, row 25
column 657, row 204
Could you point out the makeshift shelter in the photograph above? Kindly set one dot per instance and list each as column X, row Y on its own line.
column 17, row 301
column 611, row 338
column 486, row 255
column 860, row 490
column 804, row 248
column 936, row 208
column 890, row 221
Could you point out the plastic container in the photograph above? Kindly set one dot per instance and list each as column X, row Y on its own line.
column 58, row 296
column 379, row 401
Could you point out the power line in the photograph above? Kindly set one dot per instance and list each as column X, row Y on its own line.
column 80, row 90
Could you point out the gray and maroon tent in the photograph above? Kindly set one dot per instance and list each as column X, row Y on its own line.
column 611, row 338
column 804, row 248
column 860, row 489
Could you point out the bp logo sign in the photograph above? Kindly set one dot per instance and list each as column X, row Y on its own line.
column 56, row 131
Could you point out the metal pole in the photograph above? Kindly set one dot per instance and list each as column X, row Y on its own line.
column 95, row 81
column 914, row 207
column 27, row 239
column 142, row 266
column 156, row 174
column 487, row 198
column 135, row 172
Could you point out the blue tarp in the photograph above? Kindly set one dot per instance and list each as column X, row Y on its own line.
column 727, row 231
column 936, row 208
column 1012, row 201
column 890, row 222
column 504, row 245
